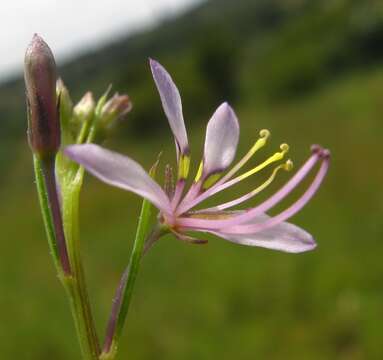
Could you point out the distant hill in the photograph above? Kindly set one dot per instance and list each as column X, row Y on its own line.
column 267, row 50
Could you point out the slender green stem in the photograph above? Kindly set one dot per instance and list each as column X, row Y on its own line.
column 124, row 291
column 65, row 250
column 77, row 288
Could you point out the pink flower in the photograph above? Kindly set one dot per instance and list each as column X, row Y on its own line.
column 251, row 227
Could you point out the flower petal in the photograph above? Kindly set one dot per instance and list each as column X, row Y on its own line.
column 283, row 237
column 222, row 135
column 171, row 103
column 119, row 171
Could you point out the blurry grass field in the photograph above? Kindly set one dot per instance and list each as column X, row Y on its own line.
column 219, row 301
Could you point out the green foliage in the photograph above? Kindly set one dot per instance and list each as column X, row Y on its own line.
column 310, row 50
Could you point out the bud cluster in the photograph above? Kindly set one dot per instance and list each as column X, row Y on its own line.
column 52, row 116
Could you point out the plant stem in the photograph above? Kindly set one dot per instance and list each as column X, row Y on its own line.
column 62, row 233
column 77, row 291
column 124, row 291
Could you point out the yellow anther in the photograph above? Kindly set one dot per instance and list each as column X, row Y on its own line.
column 279, row 155
column 284, row 147
column 264, row 133
column 263, row 136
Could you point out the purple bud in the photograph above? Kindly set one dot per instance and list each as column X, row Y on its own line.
column 40, row 82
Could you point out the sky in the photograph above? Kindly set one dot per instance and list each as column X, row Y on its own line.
column 73, row 26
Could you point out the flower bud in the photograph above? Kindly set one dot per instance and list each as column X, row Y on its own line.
column 115, row 109
column 84, row 109
column 40, row 82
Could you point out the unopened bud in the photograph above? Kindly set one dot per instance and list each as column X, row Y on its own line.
column 115, row 109
column 40, row 82
column 84, row 109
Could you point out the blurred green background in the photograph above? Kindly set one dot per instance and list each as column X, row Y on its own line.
column 310, row 71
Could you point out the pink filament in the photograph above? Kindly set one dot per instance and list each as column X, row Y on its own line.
column 177, row 193
column 192, row 193
column 289, row 212
column 187, row 203
column 251, row 213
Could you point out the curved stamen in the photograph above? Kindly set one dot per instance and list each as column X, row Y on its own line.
column 276, row 157
column 286, row 166
column 214, row 180
column 266, row 205
column 290, row 211
column 264, row 134
column 188, row 203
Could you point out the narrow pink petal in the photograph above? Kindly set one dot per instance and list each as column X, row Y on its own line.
column 283, row 237
column 251, row 213
column 120, row 171
column 222, row 134
column 171, row 103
